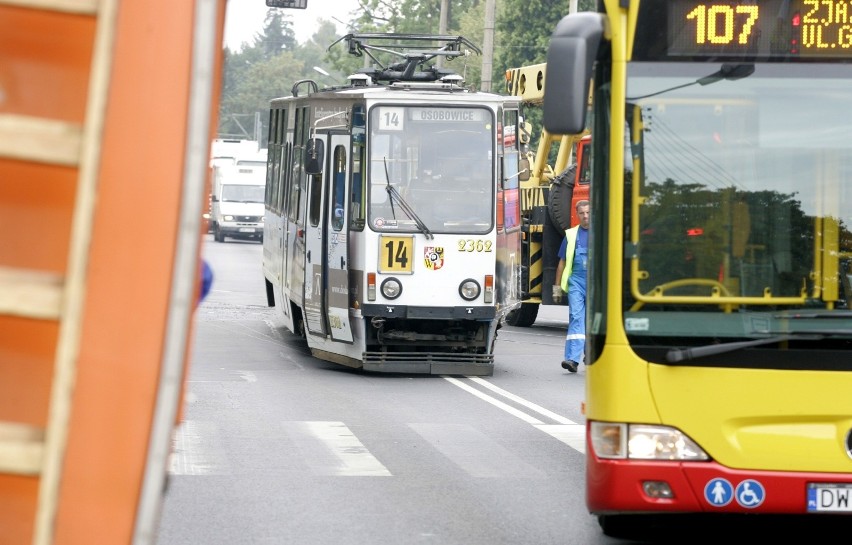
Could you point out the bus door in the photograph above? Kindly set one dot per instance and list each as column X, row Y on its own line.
column 315, row 240
column 336, row 262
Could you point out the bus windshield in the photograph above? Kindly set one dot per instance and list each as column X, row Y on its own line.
column 440, row 161
column 739, row 202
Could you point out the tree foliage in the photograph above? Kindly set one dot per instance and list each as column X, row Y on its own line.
column 270, row 65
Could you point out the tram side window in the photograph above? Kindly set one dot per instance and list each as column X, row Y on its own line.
column 338, row 191
column 297, row 179
column 356, row 213
column 280, row 164
column 286, row 160
column 510, row 173
column 272, row 170
column 315, row 194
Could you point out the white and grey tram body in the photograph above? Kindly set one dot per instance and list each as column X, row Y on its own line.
column 391, row 238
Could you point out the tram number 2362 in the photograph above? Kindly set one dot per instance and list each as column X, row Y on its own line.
column 471, row 245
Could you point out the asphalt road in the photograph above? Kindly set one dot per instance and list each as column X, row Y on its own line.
column 277, row 447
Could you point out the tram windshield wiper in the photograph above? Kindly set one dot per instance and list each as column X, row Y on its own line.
column 389, row 188
column 676, row 355
column 394, row 195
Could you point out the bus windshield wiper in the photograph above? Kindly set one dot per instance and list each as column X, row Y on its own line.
column 730, row 72
column 836, row 314
column 393, row 194
column 682, row 354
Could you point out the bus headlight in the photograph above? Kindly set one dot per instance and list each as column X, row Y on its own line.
column 469, row 289
column 643, row 442
column 391, row 288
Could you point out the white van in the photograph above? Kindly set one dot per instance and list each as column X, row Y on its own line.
column 237, row 202
column 224, row 151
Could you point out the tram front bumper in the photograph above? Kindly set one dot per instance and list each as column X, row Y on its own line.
column 431, row 363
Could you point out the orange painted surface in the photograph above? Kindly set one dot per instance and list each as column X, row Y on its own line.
column 36, row 204
column 43, row 78
column 44, row 72
column 130, row 271
column 45, row 59
column 26, row 366
column 17, row 497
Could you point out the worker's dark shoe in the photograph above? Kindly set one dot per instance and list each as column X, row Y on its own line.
column 570, row 365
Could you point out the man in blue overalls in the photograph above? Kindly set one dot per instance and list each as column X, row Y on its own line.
column 575, row 253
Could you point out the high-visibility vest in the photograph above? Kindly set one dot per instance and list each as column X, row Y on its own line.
column 571, row 237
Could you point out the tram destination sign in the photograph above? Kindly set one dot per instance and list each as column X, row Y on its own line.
column 443, row 115
column 790, row 28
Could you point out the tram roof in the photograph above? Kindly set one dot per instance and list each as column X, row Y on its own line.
column 402, row 92
column 401, row 70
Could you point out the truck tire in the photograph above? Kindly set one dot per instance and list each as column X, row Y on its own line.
column 523, row 316
column 217, row 234
column 559, row 198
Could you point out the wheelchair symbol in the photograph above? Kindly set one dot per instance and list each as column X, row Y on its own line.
column 750, row 493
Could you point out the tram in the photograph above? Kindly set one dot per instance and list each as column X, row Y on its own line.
column 392, row 219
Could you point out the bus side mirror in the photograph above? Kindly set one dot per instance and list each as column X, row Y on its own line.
column 314, row 155
column 570, row 58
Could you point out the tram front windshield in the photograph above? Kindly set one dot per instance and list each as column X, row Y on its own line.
column 738, row 205
column 432, row 162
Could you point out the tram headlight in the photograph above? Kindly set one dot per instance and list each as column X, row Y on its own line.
column 391, row 288
column 643, row 442
column 469, row 289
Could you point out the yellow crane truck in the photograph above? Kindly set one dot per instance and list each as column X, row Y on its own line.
column 556, row 176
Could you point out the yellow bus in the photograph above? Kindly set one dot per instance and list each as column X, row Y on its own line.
column 719, row 329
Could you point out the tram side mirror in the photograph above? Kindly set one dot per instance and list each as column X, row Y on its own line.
column 314, row 155
column 570, row 58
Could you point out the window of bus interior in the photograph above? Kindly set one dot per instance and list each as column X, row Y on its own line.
column 297, row 171
column 438, row 159
column 338, row 188
column 740, row 202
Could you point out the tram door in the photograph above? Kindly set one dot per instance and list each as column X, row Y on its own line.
column 326, row 296
column 337, row 263
column 315, row 242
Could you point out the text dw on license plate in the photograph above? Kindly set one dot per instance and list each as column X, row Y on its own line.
column 830, row 497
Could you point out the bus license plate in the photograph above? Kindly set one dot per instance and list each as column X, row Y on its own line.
column 246, row 229
column 829, row 498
